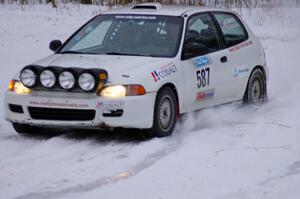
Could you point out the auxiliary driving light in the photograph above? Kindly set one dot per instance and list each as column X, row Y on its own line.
column 66, row 80
column 28, row 77
column 86, row 81
column 47, row 78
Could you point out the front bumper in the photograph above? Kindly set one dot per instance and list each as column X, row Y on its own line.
column 126, row 112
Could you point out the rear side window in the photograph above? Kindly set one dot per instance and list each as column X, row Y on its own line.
column 233, row 30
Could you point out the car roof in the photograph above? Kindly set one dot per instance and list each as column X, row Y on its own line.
column 158, row 9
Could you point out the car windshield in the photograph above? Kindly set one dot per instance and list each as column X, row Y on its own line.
column 135, row 35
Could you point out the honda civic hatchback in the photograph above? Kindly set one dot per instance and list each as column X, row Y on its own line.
column 140, row 67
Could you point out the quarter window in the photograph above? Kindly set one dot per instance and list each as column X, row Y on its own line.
column 233, row 30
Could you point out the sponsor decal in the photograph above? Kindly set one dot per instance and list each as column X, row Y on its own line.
column 136, row 17
column 237, row 72
column 163, row 72
column 84, row 33
column 202, row 61
column 88, row 29
column 125, row 76
column 242, row 45
column 58, row 104
column 229, row 23
column 243, row 70
column 205, row 95
column 110, row 105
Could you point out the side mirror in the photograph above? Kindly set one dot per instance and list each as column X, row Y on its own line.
column 194, row 49
column 55, row 45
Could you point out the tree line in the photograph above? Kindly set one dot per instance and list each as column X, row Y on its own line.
column 211, row 3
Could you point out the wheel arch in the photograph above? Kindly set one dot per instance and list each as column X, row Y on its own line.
column 174, row 89
column 264, row 74
column 261, row 68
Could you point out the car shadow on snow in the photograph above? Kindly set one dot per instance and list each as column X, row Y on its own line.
column 116, row 135
column 186, row 122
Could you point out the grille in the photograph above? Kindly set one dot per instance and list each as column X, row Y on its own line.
column 61, row 114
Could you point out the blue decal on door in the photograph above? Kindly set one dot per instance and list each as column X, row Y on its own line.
column 202, row 61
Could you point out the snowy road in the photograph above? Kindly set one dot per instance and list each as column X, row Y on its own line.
column 229, row 152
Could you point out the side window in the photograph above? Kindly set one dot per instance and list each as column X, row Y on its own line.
column 233, row 30
column 201, row 29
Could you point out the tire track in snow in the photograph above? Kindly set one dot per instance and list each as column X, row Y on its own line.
column 173, row 144
column 293, row 169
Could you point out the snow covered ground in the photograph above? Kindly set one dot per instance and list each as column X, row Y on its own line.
column 229, row 152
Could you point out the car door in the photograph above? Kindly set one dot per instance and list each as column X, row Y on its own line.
column 238, row 53
column 204, row 64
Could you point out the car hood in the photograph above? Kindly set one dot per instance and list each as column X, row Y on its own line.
column 116, row 66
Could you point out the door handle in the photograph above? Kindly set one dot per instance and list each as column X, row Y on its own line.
column 223, row 59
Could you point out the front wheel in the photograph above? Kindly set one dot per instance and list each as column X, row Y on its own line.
column 256, row 91
column 165, row 112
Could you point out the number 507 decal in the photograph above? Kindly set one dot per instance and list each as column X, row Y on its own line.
column 202, row 78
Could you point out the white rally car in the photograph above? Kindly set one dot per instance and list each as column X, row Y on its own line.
column 140, row 67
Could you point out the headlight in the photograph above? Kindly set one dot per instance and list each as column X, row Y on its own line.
column 18, row 87
column 47, row 78
column 86, row 81
column 28, row 77
column 114, row 91
column 66, row 80
column 122, row 90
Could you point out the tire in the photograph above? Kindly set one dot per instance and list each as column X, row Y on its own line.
column 165, row 114
column 26, row 129
column 256, row 91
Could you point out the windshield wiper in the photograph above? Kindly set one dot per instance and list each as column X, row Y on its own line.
column 107, row 53
column 129, row 54
column 71, row 52
column 77, row 52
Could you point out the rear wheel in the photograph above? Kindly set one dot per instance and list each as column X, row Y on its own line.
column 164, row 114
column 256, row 92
